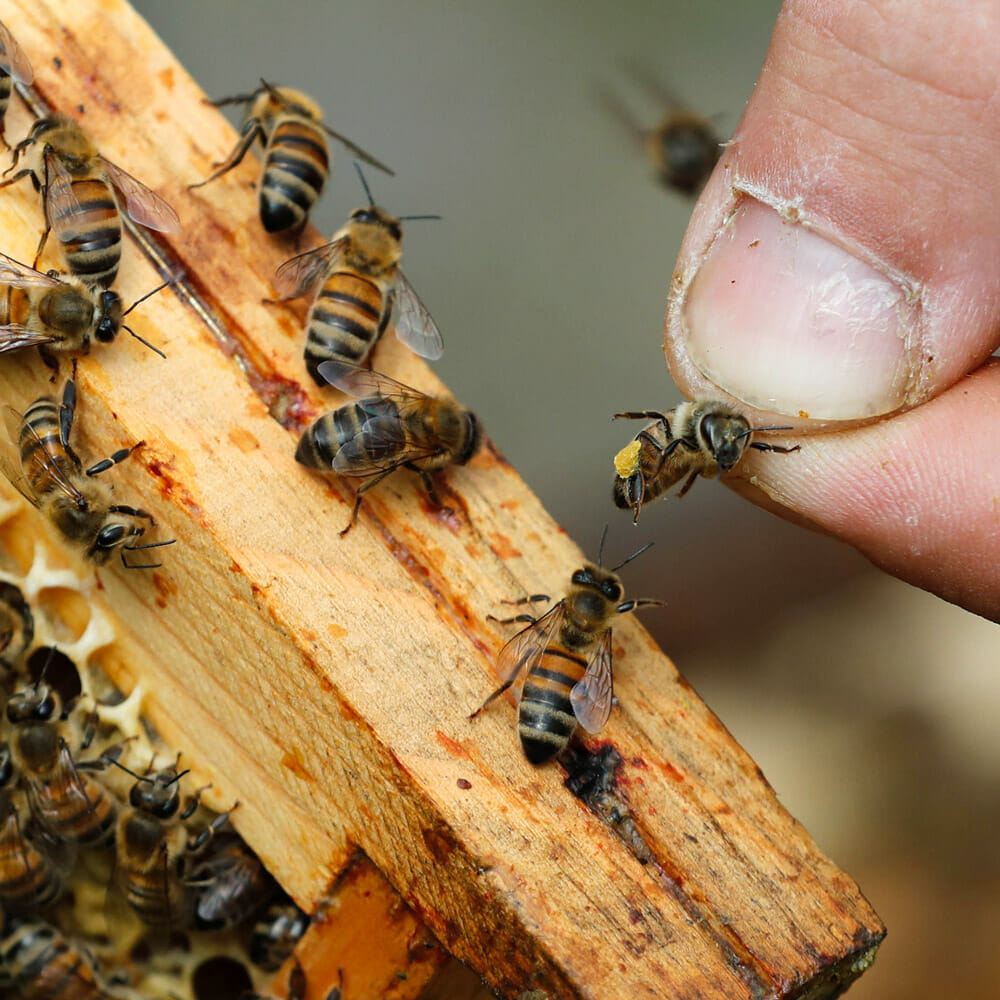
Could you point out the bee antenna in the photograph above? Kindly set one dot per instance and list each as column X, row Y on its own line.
column 635, row 555
column 142, row 340
column 271, row 89
column 127, row 770
column 410, row 218
column 45, row 666
column 600, row 548
column 364, row 184
column 178, row 777
column 159, row 288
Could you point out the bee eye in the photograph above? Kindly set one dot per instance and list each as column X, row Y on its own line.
column 365, row 215
column 110, row 536
column 105, row 332
column 611, row 590
column 581, row 577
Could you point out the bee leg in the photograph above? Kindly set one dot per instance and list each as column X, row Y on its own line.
column 210, row 831
column 762, row 446
column 139, row 548
column 235, row 99
column 50, row 361
column 362, row 490
column 27, row 172
column 251, row 131
column 688, row 484
column 499, row 691
column 106, row 463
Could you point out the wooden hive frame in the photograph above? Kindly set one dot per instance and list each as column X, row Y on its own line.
column 326, row 682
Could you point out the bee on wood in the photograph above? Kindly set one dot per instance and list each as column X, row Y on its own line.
column 14, row 65
column 38, row 963
column 694, row 439
column 58, row 313
column 276, row 933
column 232, row 884
column 78, row 188
column 153, row 850
column 52, row 478
column 390, row 426
column 66, row 799
column 290, row 126
column 565, row 657
column 356, row 283
column 17, row 628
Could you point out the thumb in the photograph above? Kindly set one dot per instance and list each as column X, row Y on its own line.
column 843, row 263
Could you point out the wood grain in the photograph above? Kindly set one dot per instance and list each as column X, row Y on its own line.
column 327, row 681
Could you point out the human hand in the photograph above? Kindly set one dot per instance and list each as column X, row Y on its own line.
column 843, row 264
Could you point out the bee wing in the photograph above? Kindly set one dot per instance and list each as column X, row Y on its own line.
column 299, row 274
column 66, row 783
column 523, row 651
column 15, row 424
column 414, row 325
column 379, row 446
column 361, row 382
column 14, row 337
column 591, row 696
column 12, row 57
column 357, row 150
column 13, row 272
column 142, row 204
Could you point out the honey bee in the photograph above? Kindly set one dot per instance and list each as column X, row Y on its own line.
column 565, row 657
column 290, row 126
column 389, row 426
column 14, row 65
column 232, row 884
column 153, row 850
column 276, row 933
column 297, row 984
column 52, row 478
column 693, row 439
column 29, row 879
column 58, row 313
column 38, row 963
column 78, row 188
column 65, row 798
column 17, row 627
column 357, row 283
column 683, row 148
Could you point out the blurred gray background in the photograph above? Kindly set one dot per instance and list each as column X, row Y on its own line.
column 872, row 707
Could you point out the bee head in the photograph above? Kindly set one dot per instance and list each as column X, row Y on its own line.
column 372, row 215
column 473, row 438
column 109, row 317
column 37, row 703
column 159, row 796
column 726, row 436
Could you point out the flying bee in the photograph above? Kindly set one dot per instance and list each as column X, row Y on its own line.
column 356, row 283
column 52, row 478
column 38, row 963
column 58, row 313
column 388, row 427
column 29, row 878
column 65, row 798
column 232, row 884
column 565, row 657
column 290, row 126
column 153, row 850
column 17, row 628
column 78, row 188
column 694, row 439
column 683, row 148
column 276, row 933
column 14, row 65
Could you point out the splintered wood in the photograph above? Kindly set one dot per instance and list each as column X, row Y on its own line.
column 326, row 682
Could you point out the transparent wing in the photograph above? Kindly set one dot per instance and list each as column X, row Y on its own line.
column 14, row 337
column 60, row 201
column 49, row 798
column 13, row 272
column 10, row 460
column 381, row 445
column 43, row 456
column 299, row 274
column 591, row 696
column 357, row 150
column 522, row 652
column 12, row 57
column 142, row 204
column 361, row 382
column 414, row 325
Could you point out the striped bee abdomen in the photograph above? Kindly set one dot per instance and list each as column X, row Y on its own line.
column 325, row 437
column 295, row 170
column 90, row 231
column 546, row 719
column 28, row 880
column 347, row 317
column 43, row 449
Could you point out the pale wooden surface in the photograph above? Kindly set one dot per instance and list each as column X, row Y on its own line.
column 327, row 681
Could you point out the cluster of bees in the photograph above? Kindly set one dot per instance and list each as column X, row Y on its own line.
column 59, row 803
column 95, row 850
